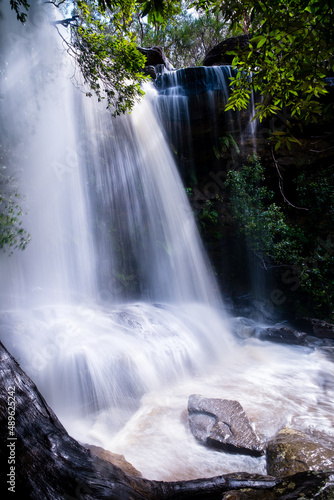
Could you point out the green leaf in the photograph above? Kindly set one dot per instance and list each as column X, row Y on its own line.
column 261, row 42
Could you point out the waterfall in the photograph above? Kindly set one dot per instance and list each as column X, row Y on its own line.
column 140, row 196
column 113, row 308
column 41, row 145
column 114, row 295
column 192, row 105
column 208, row 141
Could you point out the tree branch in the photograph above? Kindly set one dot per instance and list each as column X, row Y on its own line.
column 68, row 21
column 322, row 150
column 280, row 183
column 55, row 3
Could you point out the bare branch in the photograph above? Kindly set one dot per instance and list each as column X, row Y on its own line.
column 68, row 21
column 280, row 183
column 141, row 29
column 56, row 4
column 322, row 150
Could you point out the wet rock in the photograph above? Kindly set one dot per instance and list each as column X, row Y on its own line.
column 114, row 458
column 222, row 424
column 291, row 451
column 218, row 54
column 262, row 311
column 155, row 56
column 150, row 71
column 259, row 311
column 244, row 327
column 321, row 328
column 282, row 335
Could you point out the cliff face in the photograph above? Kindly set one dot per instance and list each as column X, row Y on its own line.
column 208, row 142
column 219, row 54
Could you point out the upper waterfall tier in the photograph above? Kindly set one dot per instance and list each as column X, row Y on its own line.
column 192, row 106
column 194, row 80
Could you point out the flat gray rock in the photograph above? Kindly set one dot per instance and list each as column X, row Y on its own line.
column 222, row 424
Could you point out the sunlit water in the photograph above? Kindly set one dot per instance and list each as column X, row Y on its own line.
column 113, row 309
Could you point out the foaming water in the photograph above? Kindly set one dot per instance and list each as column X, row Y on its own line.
column 88, row 359
column 277, row 386
column 113, row 309
column 120, row 377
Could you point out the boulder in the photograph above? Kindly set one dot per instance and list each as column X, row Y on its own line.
column 292, row 451
column 155, row 56
column 281, row 335
column 321, row 329
column 246, row 328
column 218, row 54
column 114, row 458
column 150, row 71
column 222, row 424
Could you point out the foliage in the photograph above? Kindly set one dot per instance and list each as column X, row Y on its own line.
column 262, row 222
column 12, row 235
column 158, row 12
column 316, row 191
column 103, row 47
column 289, row 54
column 288, row 58
column 207, row 216
column 185, row 38
column 106, row 53
column 226, row 143
column 19, row 6
column 308, row 257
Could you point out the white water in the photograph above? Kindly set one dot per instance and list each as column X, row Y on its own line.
column 113, row 309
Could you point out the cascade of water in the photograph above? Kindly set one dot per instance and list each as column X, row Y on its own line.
column 191, row 103
column 144, row 221
column 110, row 224
column 40, row 144
column 142, row 202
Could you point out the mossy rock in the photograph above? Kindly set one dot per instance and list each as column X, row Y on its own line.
column 292, row 451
